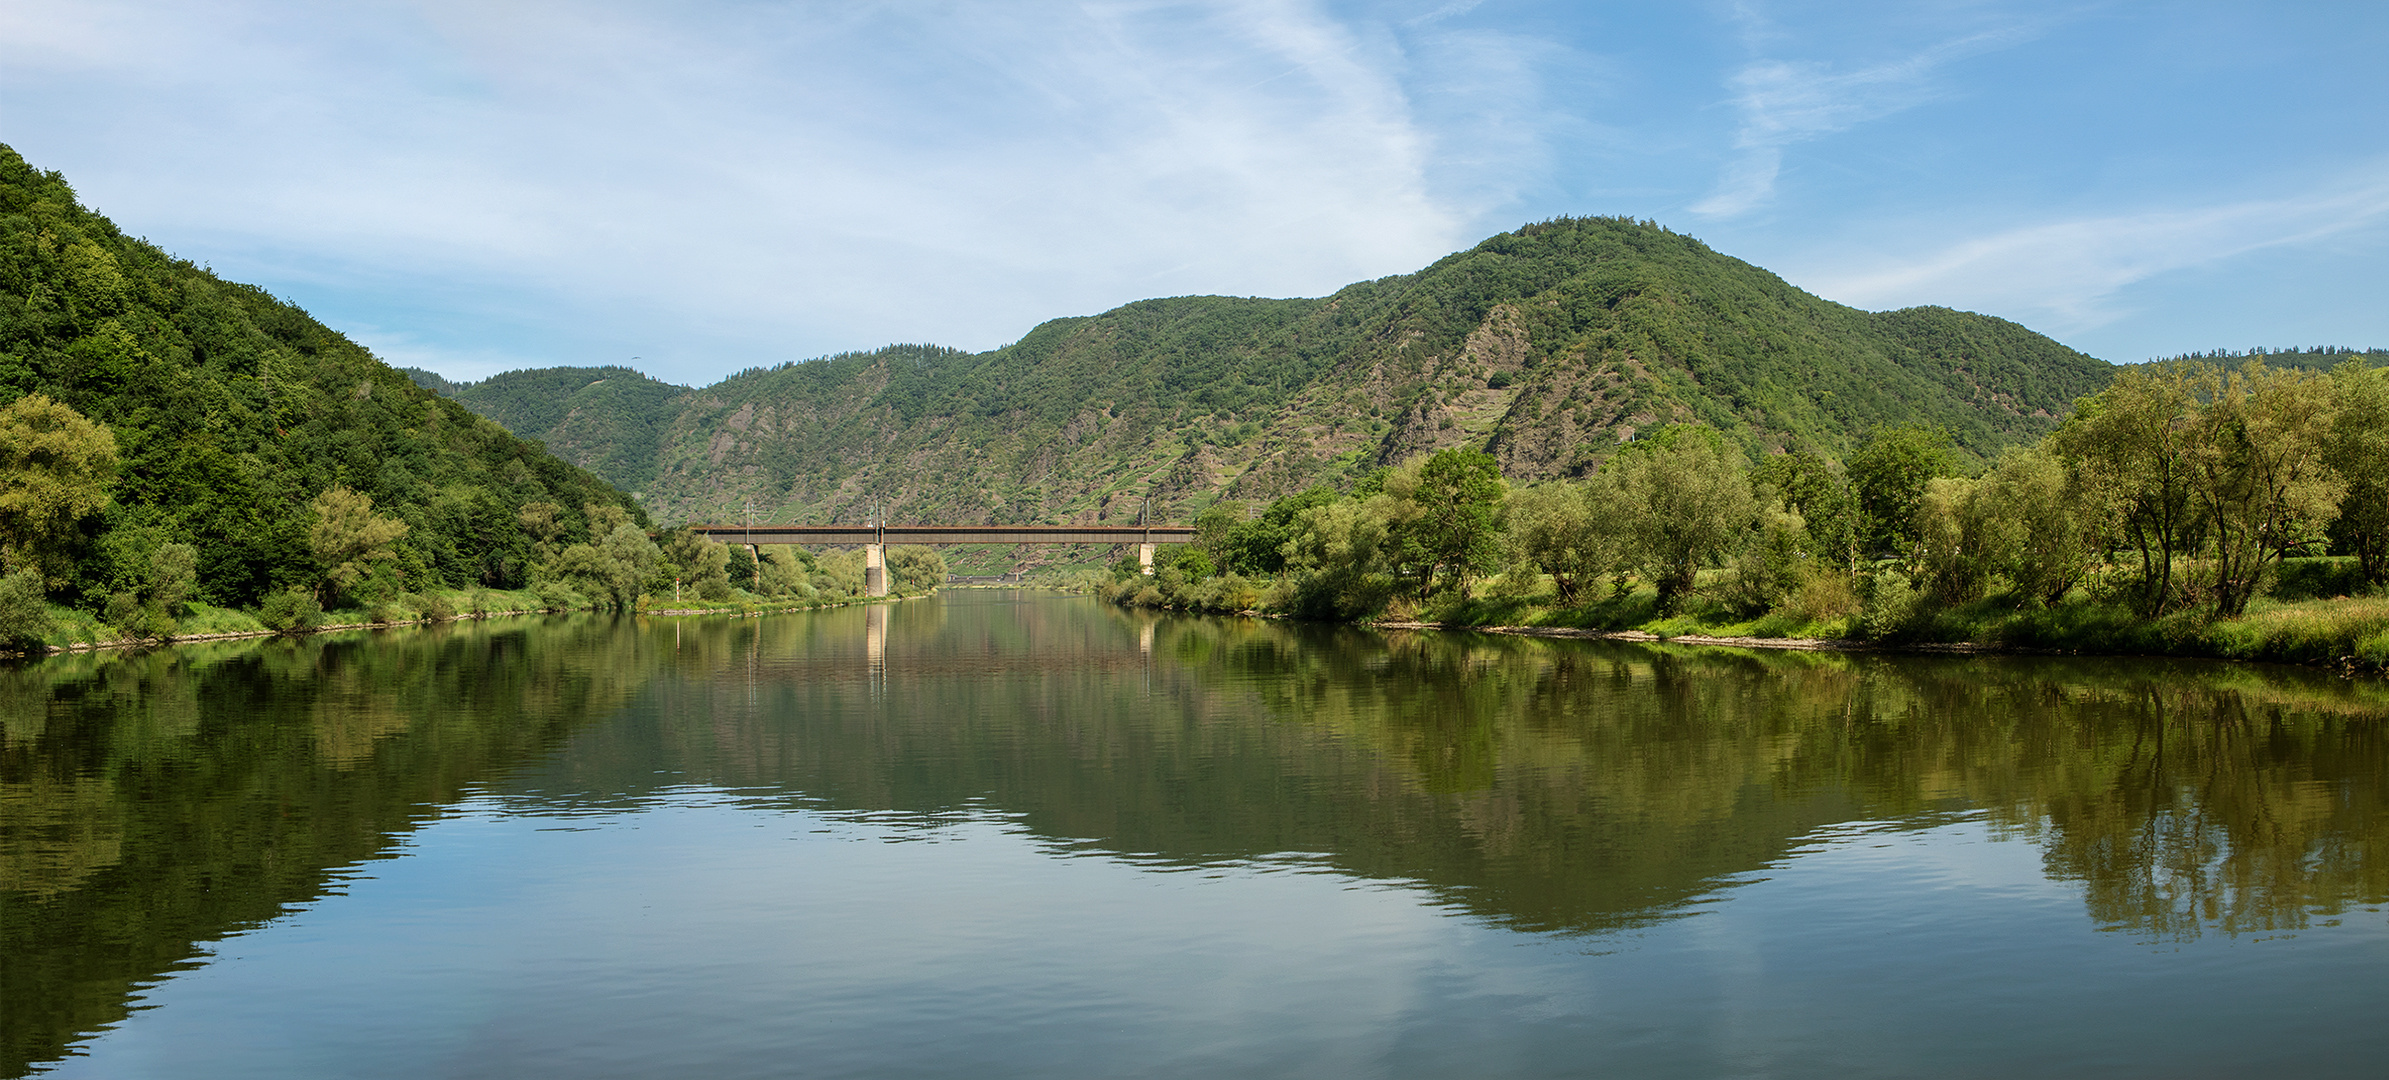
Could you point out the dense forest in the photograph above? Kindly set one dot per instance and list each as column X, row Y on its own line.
column 1548, row 347
column 169, row 436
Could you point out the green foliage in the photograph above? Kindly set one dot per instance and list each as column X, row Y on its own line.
column 230, row 411
column 1456, row 527
column 700, row 564
column 1544, row 348
column 291, row 611
column 1888, row 477
column 2129, row 443
column 55, row 470
column 1559, row 529
column 609, row 420
column 1686, row 501
column 915, row 568
column 24, row 610
column 2359, row 453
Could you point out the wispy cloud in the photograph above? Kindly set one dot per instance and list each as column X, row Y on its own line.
column 2065, row 276
column 1784, row 102
column 774, row 180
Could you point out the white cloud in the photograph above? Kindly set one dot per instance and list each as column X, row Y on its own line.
column 2068, row 274
column 1784, row 102
column 771, row 181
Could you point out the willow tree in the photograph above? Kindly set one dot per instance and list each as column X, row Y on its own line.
column 1685, row 497
column 1559, row 529
column 2259, row 454
column 2360, row 453
column 2130, row 444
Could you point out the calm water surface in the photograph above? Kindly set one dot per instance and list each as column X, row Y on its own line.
column 1004, row 834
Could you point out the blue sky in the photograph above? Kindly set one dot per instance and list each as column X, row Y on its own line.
column 705, row 186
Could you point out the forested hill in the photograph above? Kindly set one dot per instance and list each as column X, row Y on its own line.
column 230, row 413
column 1547, row 346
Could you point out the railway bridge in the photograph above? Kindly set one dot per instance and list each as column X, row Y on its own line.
column 874, row 539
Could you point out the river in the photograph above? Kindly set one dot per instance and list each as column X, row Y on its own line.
column 1015, row 834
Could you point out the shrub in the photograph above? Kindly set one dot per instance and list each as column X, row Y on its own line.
column 1823, row 596
column 291, row 611
column 24, row 612
column 436, row 608
column 555, row 596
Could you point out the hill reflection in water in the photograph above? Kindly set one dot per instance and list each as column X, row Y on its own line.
column 150, row 804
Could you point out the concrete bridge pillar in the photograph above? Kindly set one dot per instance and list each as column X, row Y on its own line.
column 875, row 569
column 1144, row 558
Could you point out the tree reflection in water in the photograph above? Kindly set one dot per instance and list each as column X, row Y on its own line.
column 152, row 803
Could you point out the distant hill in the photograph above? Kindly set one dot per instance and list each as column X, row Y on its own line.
column 2320, row 358
column 1547, row 346
column 609, row 420
column 231, row 410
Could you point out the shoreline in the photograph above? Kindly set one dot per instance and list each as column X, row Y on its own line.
column 1945, row 648
column 246, row 635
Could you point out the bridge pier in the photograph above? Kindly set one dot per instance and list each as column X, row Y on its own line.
column 875, row 569
column 1144, row 558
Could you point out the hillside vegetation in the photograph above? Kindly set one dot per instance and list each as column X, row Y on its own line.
column 1546, row 347
column 171, row 438
column 2190, row 507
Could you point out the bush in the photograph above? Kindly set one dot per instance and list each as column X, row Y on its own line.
column 436, row 608
column 2318, row 578
column 1824, row 595
column 24, row 610
column 1890, row 605
column 555, row 596
column 291, row 611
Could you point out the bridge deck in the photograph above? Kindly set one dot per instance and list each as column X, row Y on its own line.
column 948, row 534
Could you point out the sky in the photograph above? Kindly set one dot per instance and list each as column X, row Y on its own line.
column 697, row 187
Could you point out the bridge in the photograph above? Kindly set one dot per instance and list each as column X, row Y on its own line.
column 874, row 539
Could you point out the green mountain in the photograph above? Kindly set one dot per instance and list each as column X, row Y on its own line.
column 1546, row 346
column 231, row 411
column 609, row 420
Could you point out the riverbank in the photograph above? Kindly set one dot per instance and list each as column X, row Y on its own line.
column 82, row 632
column 2349, row 634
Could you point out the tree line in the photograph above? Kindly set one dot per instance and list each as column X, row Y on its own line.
column 170, row 440
column 2180, row 487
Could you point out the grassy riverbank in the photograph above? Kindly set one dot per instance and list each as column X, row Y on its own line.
column 81, row 631
column 2349, row 632
column 2292, row 625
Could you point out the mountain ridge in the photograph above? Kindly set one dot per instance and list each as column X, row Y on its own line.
column 1546, row 346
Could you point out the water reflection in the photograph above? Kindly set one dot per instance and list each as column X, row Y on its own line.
column 152, row 803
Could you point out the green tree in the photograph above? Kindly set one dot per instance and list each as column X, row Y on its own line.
column 1686, row 497
column 635, row 558
column 2259, row 453
column 1888, row 474
column 154, row 610
column 1341, row 556
column 1962, row 540
column 347, row 537
column 915, row 567
column 24, row 610
column 2129, row 447
column 55, row 469
column 701, row 563
column 1456, row 529
column 1810, row 486
column 1557, row 529
column 2058, row 524
column 2360, row 453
